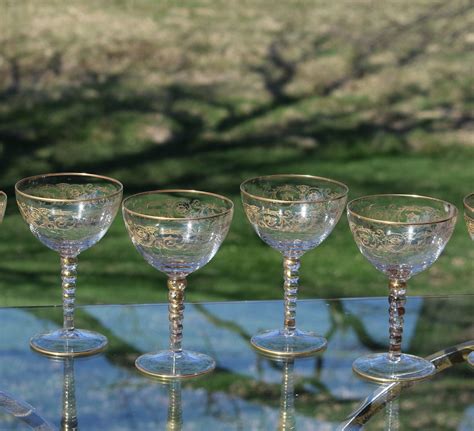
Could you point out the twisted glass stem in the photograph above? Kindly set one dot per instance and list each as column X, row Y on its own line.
column 69, row 417
column 176, row 287
column 287, row 399
column 291, row 267
column 68, row 276
column 396, row 299
column 175, row 413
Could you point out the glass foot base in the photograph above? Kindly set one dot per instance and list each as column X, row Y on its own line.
column 168, row 365
column 278, row 343
column 69, row 343
column 380, row 369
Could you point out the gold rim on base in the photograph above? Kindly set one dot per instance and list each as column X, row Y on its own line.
column 371, row 378
column 68, row 354
column 286, row 355
column 167, row 377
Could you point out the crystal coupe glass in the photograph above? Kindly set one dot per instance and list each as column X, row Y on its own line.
column 177, row 232
column 3, row 205
column 292, row 214
column 401, row 235
column 68, row 212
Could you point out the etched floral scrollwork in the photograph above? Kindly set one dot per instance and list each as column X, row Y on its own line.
column 470, row 225
column 54, row 218
column 71, row 191
column 405, row 214
column 296, row 218
column 164, row 237
column 299, row 192
column 381, row 243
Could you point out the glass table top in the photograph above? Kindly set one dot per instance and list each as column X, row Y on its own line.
column 246, row 391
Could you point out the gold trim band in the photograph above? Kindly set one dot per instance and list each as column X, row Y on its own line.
column 388, row 222
column 198, row 192
column 340, row 196
column 65, row 174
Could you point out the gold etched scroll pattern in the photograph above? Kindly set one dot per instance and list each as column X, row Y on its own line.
column 71, row 191
column 290, row 219
column 299, row 192
column 56, row 219
column 382, row 243
column 470, row 225
column 162, row 237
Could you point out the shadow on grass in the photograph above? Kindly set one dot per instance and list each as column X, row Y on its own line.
column 38, row 122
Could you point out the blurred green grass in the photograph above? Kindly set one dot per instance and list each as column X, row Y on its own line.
column 206, row 94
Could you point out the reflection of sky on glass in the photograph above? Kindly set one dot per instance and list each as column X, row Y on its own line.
column 112, row 397
column 374, row 315
column 467, row 423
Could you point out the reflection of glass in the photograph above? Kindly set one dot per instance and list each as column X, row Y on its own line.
column 469, row 213
column 3, row 205
column 68, row 213
column 392, row 415
column 69, row 412
column 400, row 235
column 177, row 232
column 389, row 393
column 292, row 214
column 287, row 398
column 23, row 412
column 175, row 410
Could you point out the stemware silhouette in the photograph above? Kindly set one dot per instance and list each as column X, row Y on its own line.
column 3, row 205
column 401, row 235
column 292, row 214
column 177, row 232
column 68, row 212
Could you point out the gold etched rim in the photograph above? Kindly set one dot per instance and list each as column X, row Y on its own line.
column 304, row 201
column 402, row 223
column 65, row 174
column 466, row 205
column 197, row 192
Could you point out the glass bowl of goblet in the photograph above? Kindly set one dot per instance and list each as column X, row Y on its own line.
column 3, row 205
column 177, row 232
column 401, row 235
column 68, row 212
column 292, row 214
column 468, row 202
